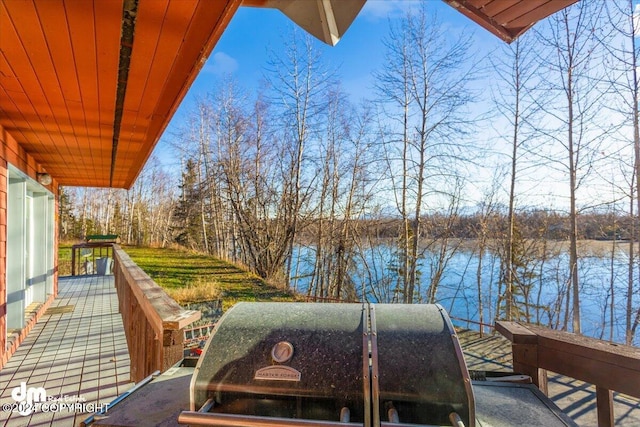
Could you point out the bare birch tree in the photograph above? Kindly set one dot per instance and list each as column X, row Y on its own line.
column 516, row 68
column 624, row 54
column 343, row 191
column 299, row 82
column 570, row 38
column 424, row 91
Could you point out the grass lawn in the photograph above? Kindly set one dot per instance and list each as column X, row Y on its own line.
column 178, row 270
column 64, row 259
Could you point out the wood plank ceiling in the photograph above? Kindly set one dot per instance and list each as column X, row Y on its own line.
column 59, row 79
column 87, row 87
column 508, row 19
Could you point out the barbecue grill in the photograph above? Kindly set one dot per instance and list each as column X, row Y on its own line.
column 305, row 364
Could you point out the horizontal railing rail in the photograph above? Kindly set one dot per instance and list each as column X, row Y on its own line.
column 481, row 325
column 313, row 298
column 153, row 321
column 610, row 367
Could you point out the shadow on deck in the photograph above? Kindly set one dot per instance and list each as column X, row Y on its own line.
column 77, row 351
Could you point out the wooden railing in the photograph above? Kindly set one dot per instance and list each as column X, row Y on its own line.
column 153, row 321
column 481, row 325
column 610, row 367
column 83, row 256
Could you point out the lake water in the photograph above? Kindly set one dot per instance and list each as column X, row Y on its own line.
column 458, row 290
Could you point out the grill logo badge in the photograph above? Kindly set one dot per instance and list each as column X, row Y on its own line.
column 277, row 373
column 280, row 353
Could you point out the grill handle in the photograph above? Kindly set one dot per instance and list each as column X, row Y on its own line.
column 232, row 420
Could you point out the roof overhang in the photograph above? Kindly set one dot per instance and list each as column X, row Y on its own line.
column 508, row 19
column 327, row 20
column 87, row 87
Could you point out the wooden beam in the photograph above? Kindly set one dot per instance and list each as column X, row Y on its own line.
column 602, row 351
column 587, row 367
column 604, row 399
column 524, row 348
column 481, row 18
column 516, row 333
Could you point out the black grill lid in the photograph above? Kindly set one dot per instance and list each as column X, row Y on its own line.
column 249, row 350
column 378, row 363
column 420, row 366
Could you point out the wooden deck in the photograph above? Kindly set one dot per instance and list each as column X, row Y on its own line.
column 576, row 398
column 77, row 349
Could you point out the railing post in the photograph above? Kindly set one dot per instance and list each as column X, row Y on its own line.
column 524, row 347
column 172, row 346
column 604, row 399
column 73, row 260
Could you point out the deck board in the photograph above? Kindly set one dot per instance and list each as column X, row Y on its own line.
column 79, row 353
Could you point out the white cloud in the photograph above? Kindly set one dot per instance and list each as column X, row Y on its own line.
column 221, row 63
column 381, row 9
column 636, row 21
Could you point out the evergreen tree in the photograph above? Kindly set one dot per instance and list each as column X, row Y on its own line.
column 523, row 274
column 68, row 221
column 186, row 220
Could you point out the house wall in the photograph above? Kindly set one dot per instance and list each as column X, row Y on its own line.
column 3, row 250
column 11, row 153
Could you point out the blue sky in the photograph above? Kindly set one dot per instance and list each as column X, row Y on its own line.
column 254, row 33
column 243, row 50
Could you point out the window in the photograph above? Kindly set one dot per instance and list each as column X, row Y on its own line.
column 30, row 234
